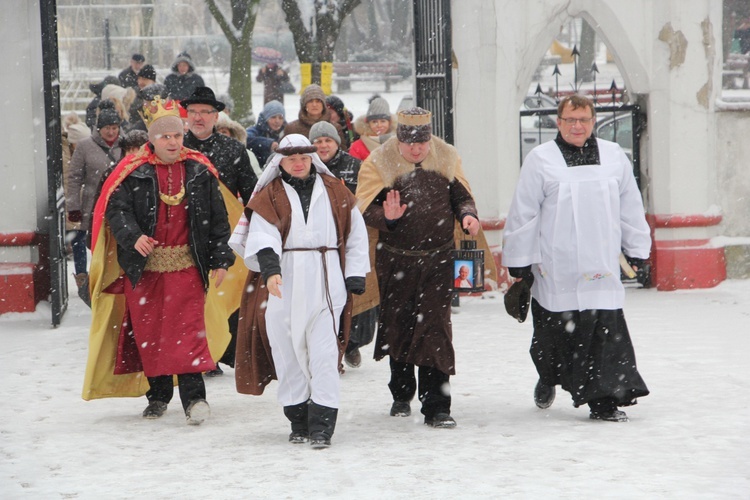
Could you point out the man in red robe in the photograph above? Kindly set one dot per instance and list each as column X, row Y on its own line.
column 163, row 209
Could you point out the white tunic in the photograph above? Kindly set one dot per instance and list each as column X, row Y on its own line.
column 300, row 328
column 570, row 224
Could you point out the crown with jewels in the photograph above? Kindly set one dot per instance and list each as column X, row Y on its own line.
column 158, row 108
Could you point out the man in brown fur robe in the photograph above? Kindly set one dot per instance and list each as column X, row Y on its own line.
column 411, row 190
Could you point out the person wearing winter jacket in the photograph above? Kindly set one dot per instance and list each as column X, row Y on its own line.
column 324, row 136
column 341, row 115
column 231, row 160
column 183, row 80
column 263, row 137
column 376, row 127
column 91, row 158
column 312, row 110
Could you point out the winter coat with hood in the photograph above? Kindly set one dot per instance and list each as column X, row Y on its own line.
column 180, row 86
column 90, row 160
column 260, row 138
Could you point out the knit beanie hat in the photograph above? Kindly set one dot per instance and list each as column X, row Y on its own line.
column 78, row 132
column 107, row 115
column 378, row 110
column 133, row 139
column 150, row 91
column 273, row 108
column 324, row 129
column 336, row 104
column 414, row 125
column 147, row 72
column 311, row 92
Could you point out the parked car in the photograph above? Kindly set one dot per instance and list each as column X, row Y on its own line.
column 617, row 129
column 538, row 128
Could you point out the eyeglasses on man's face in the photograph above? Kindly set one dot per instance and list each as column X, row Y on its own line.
column 203, row 112
column 573, row 121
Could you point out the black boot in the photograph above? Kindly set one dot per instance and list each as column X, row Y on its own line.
column 322, row 422
column 297, row 415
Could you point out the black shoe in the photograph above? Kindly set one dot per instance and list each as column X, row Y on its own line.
column 216, row 372
column 322, row 423
column 544, row 395
column 298, row 437
column 400, row 409
column 155, row 409
column 318, row 441
column 440, row 421
column 609, row 416
column 197, row 412
column 353, row 359
column 297, row 415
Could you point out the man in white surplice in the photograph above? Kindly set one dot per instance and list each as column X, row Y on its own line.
column 576, row 207
column 303, row 312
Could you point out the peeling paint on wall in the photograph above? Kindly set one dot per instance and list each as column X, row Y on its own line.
column 677, row 45
column 709, row 44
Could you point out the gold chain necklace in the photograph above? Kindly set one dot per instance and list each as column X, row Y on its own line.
column 173, row 199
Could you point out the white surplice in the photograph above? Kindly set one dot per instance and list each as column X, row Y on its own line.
column 300, row 327
column 570, row 224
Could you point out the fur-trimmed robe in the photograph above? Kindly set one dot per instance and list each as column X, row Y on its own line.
column 415, row 290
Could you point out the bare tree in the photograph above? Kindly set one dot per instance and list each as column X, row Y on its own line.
column 239, row 33
column 315, row 32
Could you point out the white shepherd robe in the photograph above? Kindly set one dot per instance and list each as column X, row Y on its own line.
column 570, row 224
column 300, row 327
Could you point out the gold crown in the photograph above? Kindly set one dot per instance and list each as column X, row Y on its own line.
column 158, row 108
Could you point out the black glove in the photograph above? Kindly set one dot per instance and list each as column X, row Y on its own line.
column 636, row 262
column 75, row 216
column 523, row 273
column 355, row 285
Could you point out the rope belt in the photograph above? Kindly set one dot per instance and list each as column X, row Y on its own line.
column 322, row 251
column 418, row 253
column 169, row 259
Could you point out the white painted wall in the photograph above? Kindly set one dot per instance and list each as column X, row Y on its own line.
column 498, row 45
column 23, row 171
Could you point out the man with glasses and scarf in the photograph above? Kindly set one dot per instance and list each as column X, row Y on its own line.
column 576, row 206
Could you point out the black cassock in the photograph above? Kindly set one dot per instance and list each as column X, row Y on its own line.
column 589, row 353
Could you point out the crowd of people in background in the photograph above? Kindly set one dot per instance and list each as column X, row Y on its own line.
column 355, row 203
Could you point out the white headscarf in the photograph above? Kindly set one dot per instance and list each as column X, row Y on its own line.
column 270, row 172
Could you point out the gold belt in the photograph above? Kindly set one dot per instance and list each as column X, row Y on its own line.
column 169, row 259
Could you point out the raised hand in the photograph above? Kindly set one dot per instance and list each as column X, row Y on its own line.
column 392, row 207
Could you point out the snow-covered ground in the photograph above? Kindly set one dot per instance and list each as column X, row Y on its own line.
column 689, row 439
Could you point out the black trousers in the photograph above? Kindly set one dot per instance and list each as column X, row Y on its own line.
column 228, row 357
column 191, row 388
column 434, row 390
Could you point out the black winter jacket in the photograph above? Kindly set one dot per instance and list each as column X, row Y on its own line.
column 230, row 158
column 345, row 167
column 182, row 86
column 132, row 209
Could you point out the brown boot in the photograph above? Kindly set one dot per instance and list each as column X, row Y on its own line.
column 82, row 282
